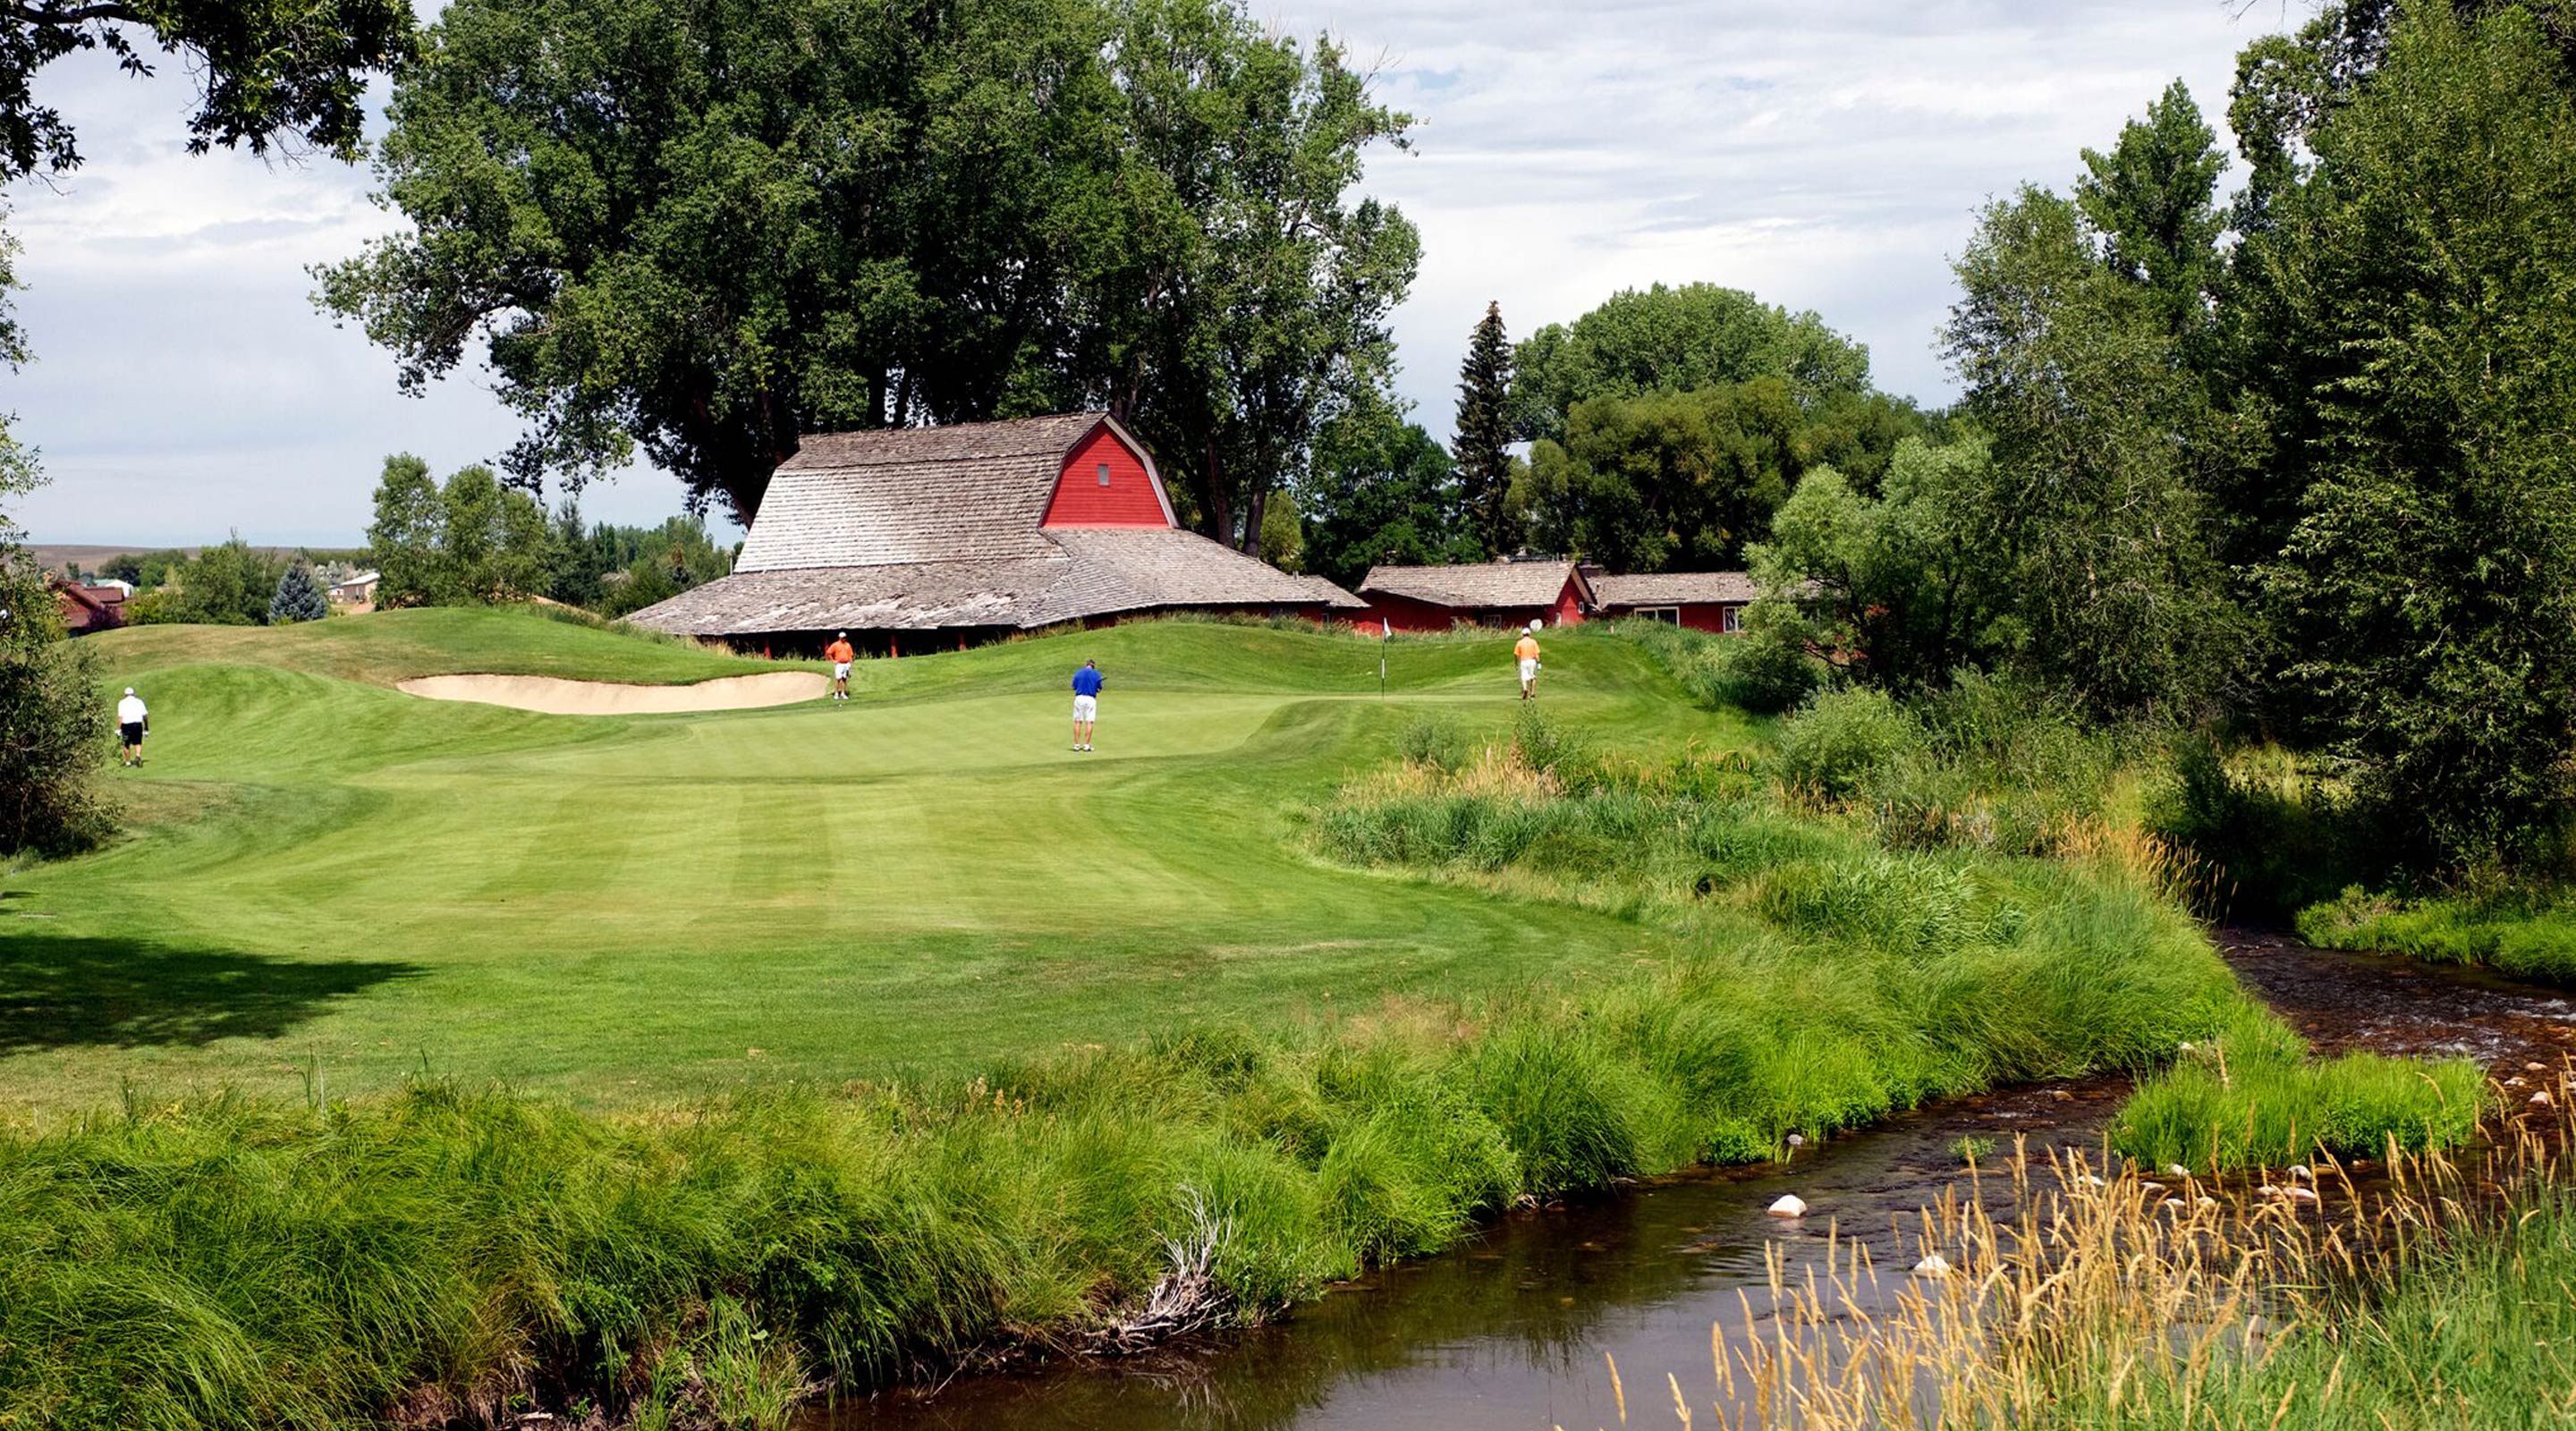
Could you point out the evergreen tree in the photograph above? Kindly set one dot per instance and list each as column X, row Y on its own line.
column 1482, row 449
column 298, row 598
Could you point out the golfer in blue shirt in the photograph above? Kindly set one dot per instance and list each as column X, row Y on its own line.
column 1086, row 703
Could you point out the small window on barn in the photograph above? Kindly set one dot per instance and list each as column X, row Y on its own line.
column 1733, row 619
column 1104, row 474
column 1669, row 614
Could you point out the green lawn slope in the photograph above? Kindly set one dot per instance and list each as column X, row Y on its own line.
column 326, row 878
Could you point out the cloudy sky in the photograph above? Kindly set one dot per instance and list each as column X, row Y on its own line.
column 1827, row 154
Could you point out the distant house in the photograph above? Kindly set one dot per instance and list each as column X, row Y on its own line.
column 1493, row 593
column 1700, row 600
column 90, row 609
column 357, row 590
column 920, row 539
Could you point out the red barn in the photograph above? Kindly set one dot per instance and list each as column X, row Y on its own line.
column 919, row 539
column 1493, row 593
column 1700, row 600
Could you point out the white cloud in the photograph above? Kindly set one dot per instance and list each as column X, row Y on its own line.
column 1825, row 155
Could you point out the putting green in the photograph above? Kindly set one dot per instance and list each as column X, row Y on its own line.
column 324, row 875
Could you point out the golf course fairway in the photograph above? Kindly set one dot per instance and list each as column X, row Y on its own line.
column 325, row 878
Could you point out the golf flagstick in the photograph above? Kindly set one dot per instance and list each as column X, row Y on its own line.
column 1386, row 637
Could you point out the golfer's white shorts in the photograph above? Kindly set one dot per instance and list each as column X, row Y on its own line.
column 1086, row 707
column 1529, row 668
column 840, row 670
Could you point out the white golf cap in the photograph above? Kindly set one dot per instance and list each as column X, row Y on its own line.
column 129, row 690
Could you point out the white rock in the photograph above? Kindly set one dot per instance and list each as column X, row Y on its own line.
column 2541, row 1099
column 2176, row 1170
column 2151, row 1188
column 2182, row 1048
column 1797, row 1140
column 2173, row 1204
column 2535, row 1068
column 2517, row 1081
column 2300, row 1195
column 1789, row 1205
column 2301, row 1173
column 2207, row 1202
column 1932, row 1265
column 2267, row 1190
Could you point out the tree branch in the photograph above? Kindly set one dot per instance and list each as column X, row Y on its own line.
column 63, row 19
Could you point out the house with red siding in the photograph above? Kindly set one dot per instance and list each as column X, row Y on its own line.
column 930, row 538
column 1493, row 593
column 1700, row 600
column 90, row 609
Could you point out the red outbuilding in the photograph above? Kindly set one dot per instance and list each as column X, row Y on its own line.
column 1700, row 600
column 1493, row 593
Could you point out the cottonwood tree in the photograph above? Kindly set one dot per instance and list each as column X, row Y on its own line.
column 1381, row 491
column 2070, row 370
column 804, row 214
column 268, row 71
column 2427, row 592
column 469, row 541
column 1241, row 300
column 1698, row 335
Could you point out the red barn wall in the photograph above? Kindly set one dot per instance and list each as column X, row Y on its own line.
column 1568, row 610
column 1080, row 500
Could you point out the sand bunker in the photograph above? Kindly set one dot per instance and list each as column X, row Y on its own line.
column 551, row 696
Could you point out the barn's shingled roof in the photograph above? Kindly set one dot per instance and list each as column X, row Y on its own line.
column 923, row 528
column 1676, row 588
column 1475, row 585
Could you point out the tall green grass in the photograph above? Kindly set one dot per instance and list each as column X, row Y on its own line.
column 2252, row 1097
column 2527, row 934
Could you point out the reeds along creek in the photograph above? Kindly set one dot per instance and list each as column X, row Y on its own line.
column 2418, row 1289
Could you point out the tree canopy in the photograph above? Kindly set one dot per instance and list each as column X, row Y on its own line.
column 266, row 70
column 1697, row 335
column 803, row 215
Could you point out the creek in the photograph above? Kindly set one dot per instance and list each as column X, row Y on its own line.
column 1517, row 1327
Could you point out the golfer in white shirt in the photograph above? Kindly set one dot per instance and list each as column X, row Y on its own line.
column 132, row 721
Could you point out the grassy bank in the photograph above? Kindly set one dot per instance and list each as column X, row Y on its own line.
column 2526, row 934
column 671, row 1067
column 2434, row 1297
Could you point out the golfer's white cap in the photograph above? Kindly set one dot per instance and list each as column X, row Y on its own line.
column 129, row 690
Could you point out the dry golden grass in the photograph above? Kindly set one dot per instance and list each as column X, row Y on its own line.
column 2114, row 1301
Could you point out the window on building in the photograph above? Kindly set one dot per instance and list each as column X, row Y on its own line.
column 1104, row 474
column 1671, row 614
column 1731, row 618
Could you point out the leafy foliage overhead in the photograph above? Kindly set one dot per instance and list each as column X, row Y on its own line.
column 268, row 71
column 1662, row 339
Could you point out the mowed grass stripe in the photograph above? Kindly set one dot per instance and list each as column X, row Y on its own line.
column 911, row 884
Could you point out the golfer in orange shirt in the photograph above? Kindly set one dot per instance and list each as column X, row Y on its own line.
column 1527, row 650
column 840, row 653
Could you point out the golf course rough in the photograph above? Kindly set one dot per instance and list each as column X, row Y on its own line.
column 415, row 1055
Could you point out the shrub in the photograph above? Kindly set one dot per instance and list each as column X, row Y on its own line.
column 1765, row 672
column 1840, row 739
column 1436, row 742
column 1762, row 672
column 53, row 737
column 2270, row 845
